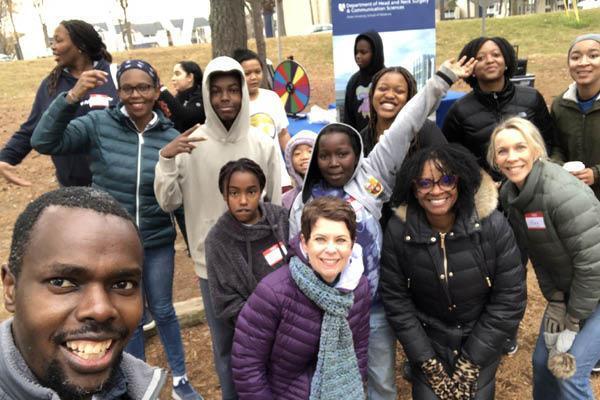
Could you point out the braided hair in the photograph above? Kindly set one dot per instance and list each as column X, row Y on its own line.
column 87, row 40
column 241, row 165
column 411, row 84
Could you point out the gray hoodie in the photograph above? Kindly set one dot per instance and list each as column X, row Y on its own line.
column 17, row 382
column 192, row 179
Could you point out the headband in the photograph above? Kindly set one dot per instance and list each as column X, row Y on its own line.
column 137, row 64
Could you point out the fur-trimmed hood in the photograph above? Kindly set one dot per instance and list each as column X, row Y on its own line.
column 486, row 199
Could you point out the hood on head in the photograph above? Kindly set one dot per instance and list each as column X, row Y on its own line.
column 377, row 60
column 303, row 137
column 313, row 174
column 214, row 126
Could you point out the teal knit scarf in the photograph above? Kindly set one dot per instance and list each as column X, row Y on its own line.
column 337, row 375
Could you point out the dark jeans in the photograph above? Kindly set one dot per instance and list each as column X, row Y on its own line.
column 221, row 334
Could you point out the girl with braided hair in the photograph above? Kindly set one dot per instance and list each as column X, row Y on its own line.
column 76, row 47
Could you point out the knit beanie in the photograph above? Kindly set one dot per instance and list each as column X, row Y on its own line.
column 581, row 38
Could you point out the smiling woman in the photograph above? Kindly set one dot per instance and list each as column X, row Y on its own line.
column 555, row 216
column 447, row 231
column 123, row 144
column 304, row 331
column 76, row 47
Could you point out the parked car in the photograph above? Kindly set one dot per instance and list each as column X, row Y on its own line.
column 5, row 57
column 588, row 4
column 322, row 28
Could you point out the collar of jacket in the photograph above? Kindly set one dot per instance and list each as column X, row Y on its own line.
column 520, row 199
column 267, row 225
column 569, row 99
column 486, row 201
column 163, row 122
column 496, row 99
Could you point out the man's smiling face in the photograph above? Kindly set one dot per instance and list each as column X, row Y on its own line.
column 77, row 298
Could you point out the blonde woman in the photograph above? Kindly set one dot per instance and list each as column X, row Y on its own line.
column 557, row 218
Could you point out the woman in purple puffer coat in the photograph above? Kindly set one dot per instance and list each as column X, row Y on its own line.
column 304, row 331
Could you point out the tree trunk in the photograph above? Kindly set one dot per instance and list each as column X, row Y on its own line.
column 127, row 32
column 227, row 26
column 280, row 19
column 18, row 50
column 257, row 23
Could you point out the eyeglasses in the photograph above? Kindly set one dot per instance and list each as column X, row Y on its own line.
column 143, row 89
column 446, row 182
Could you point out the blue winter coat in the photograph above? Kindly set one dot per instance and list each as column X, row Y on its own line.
column 122, row 160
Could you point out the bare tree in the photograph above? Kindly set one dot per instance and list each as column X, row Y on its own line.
column 5, row 40
column 227, row 26
column 280, row 19
column 126, row 26
column 39, row 6
column 256, row 7
column 10, row 8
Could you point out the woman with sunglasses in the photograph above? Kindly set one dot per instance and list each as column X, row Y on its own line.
column 123, row 144
column 452, row 282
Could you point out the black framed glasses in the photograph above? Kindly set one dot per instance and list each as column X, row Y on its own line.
column 446, row 182
column 143, row 89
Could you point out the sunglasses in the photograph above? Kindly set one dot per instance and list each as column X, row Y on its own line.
column 446, row 182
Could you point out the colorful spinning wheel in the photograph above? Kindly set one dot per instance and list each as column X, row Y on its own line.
column 290, row 82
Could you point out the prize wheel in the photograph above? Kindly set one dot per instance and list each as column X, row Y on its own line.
column 290, row 82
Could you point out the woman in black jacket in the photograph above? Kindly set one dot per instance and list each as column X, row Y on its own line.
column 452, row 283
column 471, row 119
column 185, row 109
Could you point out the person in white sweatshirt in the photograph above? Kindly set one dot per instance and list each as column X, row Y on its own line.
column 187, row 174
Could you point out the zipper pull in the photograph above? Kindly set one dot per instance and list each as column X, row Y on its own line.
column 408, row 284
column 489, row 281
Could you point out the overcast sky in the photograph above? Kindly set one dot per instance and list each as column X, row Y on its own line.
column 139, row 11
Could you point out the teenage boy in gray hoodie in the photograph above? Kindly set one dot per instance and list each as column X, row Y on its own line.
column 187, row 174
column 73, row 283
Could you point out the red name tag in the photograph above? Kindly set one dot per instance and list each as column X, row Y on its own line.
column 535, row 221
column 275, row 253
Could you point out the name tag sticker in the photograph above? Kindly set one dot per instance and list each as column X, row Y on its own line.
column 99, row 101
column 275, row 253
column 535, row 221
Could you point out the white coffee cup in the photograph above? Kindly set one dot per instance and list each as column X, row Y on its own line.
column 574, row 166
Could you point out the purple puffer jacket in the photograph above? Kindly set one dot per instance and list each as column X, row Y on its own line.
column 276, row 339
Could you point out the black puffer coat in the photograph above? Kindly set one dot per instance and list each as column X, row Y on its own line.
column 474, row 307
column 472, row 119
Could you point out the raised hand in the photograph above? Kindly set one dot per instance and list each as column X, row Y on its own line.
column 9, row 173
column 87, row 81
column 462, row 68
column 182, row 144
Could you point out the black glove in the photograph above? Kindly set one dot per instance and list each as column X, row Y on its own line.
column 438, row 379
column 465, row 378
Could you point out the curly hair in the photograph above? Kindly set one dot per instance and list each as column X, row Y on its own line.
column 241, row 165
column 69, row 197
column 508, row 52
column 87, row 40
column 449, row 159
